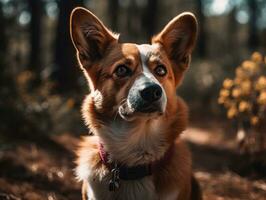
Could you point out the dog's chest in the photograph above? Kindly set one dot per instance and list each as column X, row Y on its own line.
column 129, row 190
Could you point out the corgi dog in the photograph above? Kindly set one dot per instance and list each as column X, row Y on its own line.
column 133, row 112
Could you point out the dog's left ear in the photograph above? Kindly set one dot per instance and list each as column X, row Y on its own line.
column 178, row 38
column 89, row 36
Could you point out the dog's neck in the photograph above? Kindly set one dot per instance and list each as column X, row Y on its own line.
column 125, row 173
column 133, row 172
column 133, row 145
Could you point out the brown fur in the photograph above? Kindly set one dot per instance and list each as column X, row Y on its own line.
column 146, row 138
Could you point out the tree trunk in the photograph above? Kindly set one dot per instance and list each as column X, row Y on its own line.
column 3, row 50
column 149, row 18
column 201, row 46
column 132, row 22
column 113, row 10
column 66, row 66
column 253, row 31
column 36, row 9
column 3, row 41
column 232, row 37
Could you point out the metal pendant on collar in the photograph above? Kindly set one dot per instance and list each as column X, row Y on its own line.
column 114, row 183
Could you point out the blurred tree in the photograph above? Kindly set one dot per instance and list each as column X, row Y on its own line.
column 36, row 10
column 149, row 17
column 7, row 87
column 65, row 73
column 253, row 30
column 201, row 46
column 113, row 10
column 3, row 49
column 232, row 36
column 3, row 41
column 8, row 91
column 132, row 17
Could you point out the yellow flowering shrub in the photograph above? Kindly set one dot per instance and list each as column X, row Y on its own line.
column 244, row 97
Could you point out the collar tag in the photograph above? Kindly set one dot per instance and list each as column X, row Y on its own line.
column 114, row 183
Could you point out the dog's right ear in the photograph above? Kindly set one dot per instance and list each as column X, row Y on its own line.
column 89, row 36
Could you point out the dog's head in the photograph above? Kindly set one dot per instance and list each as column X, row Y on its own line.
column 130, row 80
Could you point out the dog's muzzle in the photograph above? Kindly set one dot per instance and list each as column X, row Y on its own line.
column 144, row 97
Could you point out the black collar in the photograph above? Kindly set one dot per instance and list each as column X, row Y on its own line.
column 125, row 172
column 121, row 172
column 135, row 172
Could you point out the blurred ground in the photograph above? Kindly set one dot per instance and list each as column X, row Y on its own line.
column 224, row 174
column 39, row 170
column 43, row 168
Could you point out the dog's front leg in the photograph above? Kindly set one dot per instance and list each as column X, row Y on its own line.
column 84, row 190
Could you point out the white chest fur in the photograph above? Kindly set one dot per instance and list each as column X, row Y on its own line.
column 129, row 190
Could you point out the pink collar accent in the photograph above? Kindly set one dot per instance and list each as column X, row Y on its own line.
column 103, row 154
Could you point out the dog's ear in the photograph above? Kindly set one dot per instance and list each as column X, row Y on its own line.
column 178, row 38
column 89, row 36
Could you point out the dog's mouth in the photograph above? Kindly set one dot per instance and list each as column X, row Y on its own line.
column 128, row 113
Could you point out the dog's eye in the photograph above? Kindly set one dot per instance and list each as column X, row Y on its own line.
column 122, row 71
column 160, row 70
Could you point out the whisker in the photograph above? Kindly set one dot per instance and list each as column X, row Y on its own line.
column 123, row 101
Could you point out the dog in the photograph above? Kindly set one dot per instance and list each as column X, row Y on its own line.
column 133, row 112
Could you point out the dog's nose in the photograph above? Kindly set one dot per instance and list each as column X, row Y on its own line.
column 151, row 93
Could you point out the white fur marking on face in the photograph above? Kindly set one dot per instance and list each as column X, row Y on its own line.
column 146, row 52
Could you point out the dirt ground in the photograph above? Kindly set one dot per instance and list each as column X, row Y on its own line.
column 43, row 169
column 223, row 172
